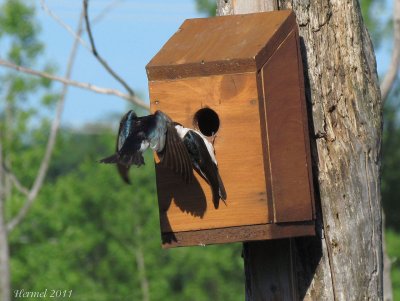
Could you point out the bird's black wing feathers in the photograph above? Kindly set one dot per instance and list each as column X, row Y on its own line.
column 124, row 129
column 205, row 166
column 123, row 132
column 175, row 156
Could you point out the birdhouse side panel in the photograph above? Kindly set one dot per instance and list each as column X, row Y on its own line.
column 238, row 149
column 287, row 129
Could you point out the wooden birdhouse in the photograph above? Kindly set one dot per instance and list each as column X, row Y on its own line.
column 239, row 80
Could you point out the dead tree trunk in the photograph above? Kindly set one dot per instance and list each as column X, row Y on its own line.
column 344, row 261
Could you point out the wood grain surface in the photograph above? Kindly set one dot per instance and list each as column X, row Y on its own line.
column 237, row 234
column 229, row 44
column 291, row 185
column 237, row 146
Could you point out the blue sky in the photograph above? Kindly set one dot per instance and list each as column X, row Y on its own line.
column 131, row 33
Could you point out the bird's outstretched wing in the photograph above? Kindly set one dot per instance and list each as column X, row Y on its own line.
column 123, row 133
column 124, row 129
column 175, row 156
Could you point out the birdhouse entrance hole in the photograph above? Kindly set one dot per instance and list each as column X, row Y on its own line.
column 207, row 121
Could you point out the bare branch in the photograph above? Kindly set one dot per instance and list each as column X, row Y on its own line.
column 98, row 18
column 48, row 11
column 44, row 165
column 2, row 190
column 105, row 11
column 144, row 283
column 390, row 76
column 132, row 98
column 17, row 184
column 38, row 183
column 139, row 256
column 97, row 55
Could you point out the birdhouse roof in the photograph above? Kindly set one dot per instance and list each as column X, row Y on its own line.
column 221, row 45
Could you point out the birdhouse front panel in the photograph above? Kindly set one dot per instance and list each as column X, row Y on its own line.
column 237, row 80
column 238, row 150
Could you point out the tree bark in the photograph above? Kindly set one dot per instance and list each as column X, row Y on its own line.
column 344, row 261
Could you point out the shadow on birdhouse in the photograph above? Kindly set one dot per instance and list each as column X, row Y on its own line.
column 172, row 188
column 238, row 80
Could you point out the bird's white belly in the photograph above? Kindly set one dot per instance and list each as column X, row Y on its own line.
column 182, row 131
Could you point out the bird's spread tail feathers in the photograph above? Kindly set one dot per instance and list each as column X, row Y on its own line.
column 137, row 159
column 221, row 192
column 218, row 192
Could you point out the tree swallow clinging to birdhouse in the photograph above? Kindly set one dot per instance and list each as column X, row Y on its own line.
column 156, row 131
column 201, row 152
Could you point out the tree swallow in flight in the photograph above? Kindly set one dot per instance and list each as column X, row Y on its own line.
column 157, row 131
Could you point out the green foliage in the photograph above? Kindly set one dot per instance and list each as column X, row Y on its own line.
column 393, row 250
column 390, row 175
column 87, row 225
column 85, row 230
column 390, row 167
column 17, row 22
column 209, row 7
column 20, row 113
column 378, row 26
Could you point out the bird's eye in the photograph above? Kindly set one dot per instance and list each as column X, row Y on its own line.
column 207, row 121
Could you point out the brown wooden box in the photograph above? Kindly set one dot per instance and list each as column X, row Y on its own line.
column 248, row 70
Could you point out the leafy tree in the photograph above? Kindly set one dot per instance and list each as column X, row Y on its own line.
column 378, row 27
column 21, row 122
column 391, row 162
column 80, row 236
column 393, row 247
column 390, row 180
column 208, row 7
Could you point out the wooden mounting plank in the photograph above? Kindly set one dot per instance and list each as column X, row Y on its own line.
column 236, row 234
